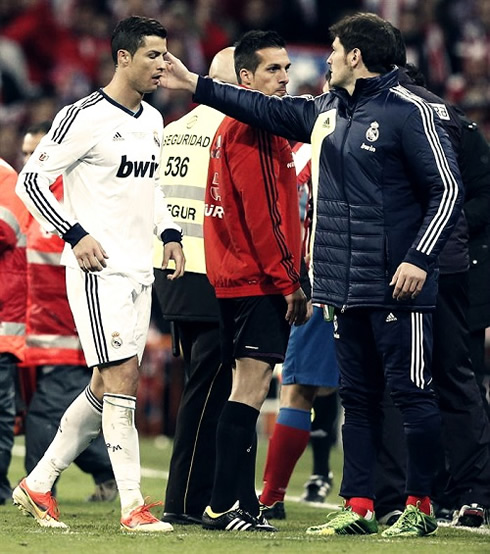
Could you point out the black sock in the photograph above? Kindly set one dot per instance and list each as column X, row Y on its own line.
column 234, row 441
column 247, row 495
column 323, row 432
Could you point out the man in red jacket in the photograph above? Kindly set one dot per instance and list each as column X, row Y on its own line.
column 252, row 243
column 13, row 223
column 53, row 346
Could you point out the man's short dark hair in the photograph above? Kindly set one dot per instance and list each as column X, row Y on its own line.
column 245, row 54
column 400, row 50
column 372, row 35
column 400, row 59
column 130, row 34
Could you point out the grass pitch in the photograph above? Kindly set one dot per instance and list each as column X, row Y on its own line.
column 94, row 528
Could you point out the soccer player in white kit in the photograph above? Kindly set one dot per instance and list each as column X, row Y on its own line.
column 107, row 146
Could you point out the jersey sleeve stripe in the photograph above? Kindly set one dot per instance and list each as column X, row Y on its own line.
column 450, row 195
column 42, row 204
column 64, row 122
column 60, row 132
column 265, row 152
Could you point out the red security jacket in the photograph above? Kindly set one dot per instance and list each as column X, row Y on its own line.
column 251, row 227
column 51, row 337
column 13, row 286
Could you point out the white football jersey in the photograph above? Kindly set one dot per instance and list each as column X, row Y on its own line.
column 109, row 159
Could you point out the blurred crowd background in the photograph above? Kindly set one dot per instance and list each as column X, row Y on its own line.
column 53, row 52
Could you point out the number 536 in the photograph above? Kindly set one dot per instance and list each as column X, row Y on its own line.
column 177, row 166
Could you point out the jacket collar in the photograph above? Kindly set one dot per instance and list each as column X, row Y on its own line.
column 373, row 85
column 369, row 87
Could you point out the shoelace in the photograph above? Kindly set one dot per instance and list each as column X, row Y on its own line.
column 48, row 501
column 345, row 516
column 411, row 516
column 144, row 511
column 246, row 515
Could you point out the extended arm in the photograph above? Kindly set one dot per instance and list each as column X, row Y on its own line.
column 290, row 117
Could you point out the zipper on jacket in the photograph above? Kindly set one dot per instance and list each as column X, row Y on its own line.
column 387, row 256
column 344, row 139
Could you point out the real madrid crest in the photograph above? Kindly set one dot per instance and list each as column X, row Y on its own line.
column 372, row 133
column 156, row 138
column 116, row 341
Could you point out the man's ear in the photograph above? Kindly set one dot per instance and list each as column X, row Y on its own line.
column 123, row 58
column 355, row 57
column 246, row 76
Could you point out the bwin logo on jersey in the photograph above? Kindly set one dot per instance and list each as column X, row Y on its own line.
column 138, row 168
column 372, row 133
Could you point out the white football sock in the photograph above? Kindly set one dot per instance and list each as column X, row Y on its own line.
column 79, row 426
column 122, row 442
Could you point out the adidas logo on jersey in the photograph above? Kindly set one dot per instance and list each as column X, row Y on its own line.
column 390, row 318
column 118, row 136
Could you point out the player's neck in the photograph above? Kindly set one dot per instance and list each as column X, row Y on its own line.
column 124, row 95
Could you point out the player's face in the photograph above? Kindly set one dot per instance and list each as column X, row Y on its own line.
column 271, row 75
column 146, row 66
column 340, row 71
column 29, row 145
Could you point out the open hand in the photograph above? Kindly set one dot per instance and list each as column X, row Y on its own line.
column 408, row 280
column 297, row 311
column 90, row 255
column 173, row 251
column 176, row 75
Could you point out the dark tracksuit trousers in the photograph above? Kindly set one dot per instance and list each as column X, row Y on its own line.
column 374, row 347
column 465, row 427
column 8, row 372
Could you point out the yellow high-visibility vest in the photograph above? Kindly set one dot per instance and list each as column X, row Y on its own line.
column 183, row 178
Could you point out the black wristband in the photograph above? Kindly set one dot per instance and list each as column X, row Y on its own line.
column 171, row 235
column 74, row 234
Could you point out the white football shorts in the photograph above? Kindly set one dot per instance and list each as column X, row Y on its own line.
column 111, row 313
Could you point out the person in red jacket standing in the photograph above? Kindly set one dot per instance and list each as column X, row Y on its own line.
column 13, row 224
column 53, row 346
column 252, row 244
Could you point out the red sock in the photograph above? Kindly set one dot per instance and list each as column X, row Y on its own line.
column 360, row 505
column 422, row 502
column 285, row 448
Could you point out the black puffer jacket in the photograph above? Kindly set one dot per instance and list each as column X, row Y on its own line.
column 386, row 183
column 454, row 257
column 475, row 168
